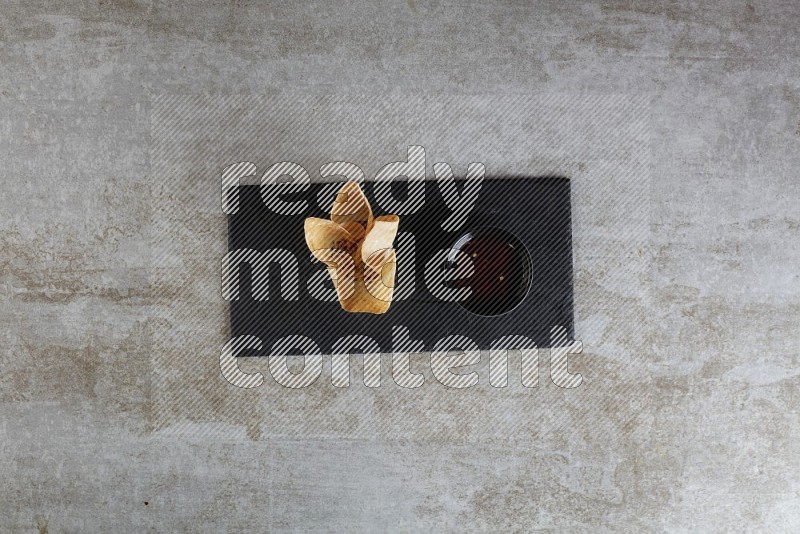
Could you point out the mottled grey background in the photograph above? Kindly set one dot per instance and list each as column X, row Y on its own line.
column 710, row 444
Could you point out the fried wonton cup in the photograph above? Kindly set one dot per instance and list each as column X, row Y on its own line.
column 357, row 248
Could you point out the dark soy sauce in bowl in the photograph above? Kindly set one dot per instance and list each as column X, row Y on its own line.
column 502, row 270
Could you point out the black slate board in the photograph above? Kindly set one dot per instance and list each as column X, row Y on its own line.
column 535, row 210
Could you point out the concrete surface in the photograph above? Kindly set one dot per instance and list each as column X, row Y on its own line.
column 707, row 440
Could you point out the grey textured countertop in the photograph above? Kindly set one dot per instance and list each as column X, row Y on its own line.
column 688, row 420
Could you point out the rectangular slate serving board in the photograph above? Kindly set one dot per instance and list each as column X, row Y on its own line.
column 535, row 210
